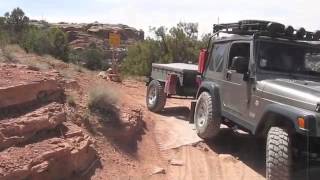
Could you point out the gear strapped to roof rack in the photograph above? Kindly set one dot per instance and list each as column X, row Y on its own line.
column 266, row 28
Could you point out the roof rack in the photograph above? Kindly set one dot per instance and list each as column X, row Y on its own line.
column 266, row 28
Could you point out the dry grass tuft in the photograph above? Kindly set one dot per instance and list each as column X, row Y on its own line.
column 103, row 102
column 8, row 55
column 71, row 101
column 102, row 99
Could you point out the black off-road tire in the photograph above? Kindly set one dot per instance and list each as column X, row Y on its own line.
column 278, row 154
column 209, row 125
column 160, row 96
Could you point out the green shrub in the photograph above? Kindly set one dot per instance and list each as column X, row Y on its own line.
column 2, row 22
column 4, row 38
column 59, row 43
column 75, row 57
column 15, row 28
column 141, row 56
column 179, row 44
column 92, row 58
column 45, row 41
column 16, row 21
column 36, row 40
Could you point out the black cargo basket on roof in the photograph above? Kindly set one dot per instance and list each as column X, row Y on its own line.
column 246, row 27
column 266, row 28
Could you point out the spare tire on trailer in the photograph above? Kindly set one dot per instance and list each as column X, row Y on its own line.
column 156, row 98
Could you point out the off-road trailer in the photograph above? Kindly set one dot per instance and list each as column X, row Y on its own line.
column 170, row 79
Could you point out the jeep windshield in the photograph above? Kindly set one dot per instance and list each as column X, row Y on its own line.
column 298, row 58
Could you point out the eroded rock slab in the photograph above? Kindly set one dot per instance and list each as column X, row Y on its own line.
column 20, row 85
column 54, row 158
column 17, row 130
column 36, row 141
column 131, row 124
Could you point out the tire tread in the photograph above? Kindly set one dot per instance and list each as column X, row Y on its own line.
column 214, row 119
column 278, row 153
column 161, row 99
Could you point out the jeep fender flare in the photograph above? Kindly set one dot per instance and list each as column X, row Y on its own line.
column 283, row 115
column 211, row 88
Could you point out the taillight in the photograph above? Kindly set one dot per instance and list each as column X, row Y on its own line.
column 202, row 60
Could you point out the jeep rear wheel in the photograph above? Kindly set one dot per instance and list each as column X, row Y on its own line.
column 156, row 98
column 206, row 117
column 278, row 154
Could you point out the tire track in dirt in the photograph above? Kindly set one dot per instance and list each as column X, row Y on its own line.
column 172, row 133
column 199, row 164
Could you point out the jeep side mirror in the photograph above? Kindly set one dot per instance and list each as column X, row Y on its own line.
column 240, row 64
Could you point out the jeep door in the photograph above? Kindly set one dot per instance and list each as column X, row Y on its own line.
column 217, row 60
column 235, row 88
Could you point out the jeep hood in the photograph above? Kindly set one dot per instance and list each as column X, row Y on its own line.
column 299, row 93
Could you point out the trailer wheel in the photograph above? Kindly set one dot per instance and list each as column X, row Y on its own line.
column 156, row 98
column 206, row 117
column 278, row 154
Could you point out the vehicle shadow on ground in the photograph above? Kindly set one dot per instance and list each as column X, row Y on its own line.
column 251, row 151
column 246, row 148
column 181, row 113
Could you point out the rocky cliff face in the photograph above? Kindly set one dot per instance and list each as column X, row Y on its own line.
column 82, row 35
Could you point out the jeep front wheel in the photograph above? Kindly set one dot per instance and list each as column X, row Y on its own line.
column 156, row 98
column 207, row 118
column 278, row 154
